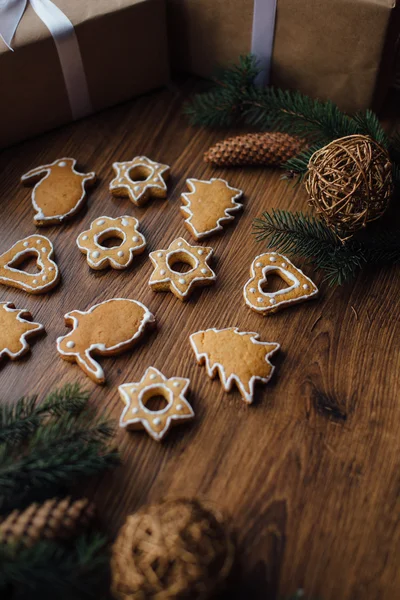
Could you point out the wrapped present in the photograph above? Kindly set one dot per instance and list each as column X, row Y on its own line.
column 62, row 60
column 341, row 50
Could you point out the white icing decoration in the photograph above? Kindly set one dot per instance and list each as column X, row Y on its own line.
column 46, row 170
column 284, row 265
column 179, row 407
column 227, row 382
column 84, row 237
column 44, row 249
column 159, row 254
column 38, row 242
column 179, row 244
column 186, row 208
column 44, row 278
column 176, row 384
column 26, row 244
column 272, row 301
column 260, row 299
column 259, row 264
column 34, row 281
column 70, row 344
column 306, row 286
column 126, row 222
column 204, row 271
column 200, row 252
column 135, row 410
column 96, row 254
column 181, row 281
column 135, row 239
column 272, row 258
column 101, row 222
column 153, row 376
column 162, row 272
column 252, row 290
column 120, row 253
column 157, row 421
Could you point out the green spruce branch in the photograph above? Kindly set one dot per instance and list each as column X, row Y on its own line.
column 50, row 569
column 46, row 447
column 235, row 98
column 299, row 234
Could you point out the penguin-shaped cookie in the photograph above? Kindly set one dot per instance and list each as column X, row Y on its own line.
column 59, row 190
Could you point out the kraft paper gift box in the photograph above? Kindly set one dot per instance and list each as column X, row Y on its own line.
column 341, row 50
column 123, row 53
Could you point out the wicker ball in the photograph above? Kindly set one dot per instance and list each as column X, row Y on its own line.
column 172, row 549
column 349, row 182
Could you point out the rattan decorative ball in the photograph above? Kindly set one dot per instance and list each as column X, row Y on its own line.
column 349, row 182
column 172, row 549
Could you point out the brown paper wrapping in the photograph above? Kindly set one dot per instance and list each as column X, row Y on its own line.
column 341, row 50
column 124, row 49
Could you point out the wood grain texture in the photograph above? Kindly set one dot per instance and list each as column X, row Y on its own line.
column 310, row 472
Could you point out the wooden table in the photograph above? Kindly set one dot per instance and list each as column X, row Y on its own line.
column 310, row 472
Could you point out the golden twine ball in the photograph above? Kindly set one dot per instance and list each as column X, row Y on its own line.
column 349, row 182
column 172, row 549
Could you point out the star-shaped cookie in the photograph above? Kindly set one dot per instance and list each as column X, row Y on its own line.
column 140, row 179
column 156, row 422
column 164, row 278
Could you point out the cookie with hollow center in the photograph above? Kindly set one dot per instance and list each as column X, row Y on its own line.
column 164, row 278
column 16, row 326
column 136, row 415
column 59, row 191
column 42, row 249
column 208, row 206
column 90, row 242
column 139, row 180
column 299, row 286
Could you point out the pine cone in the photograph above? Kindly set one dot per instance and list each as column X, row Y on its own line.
column 54, row 519
column 271, row 149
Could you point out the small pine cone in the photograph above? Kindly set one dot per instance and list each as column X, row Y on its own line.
column 270, row 149
column 54, row 519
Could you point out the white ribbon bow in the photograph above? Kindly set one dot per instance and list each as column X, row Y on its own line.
column 66, row 42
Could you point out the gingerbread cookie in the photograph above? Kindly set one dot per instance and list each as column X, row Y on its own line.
column 208, row 206
column 106, row 329
column 237, row 356
column 164, row 278
column 139, row 180
column 34, row 283
column 118, row 257
column 136, row 415
column 300, row 287
column 60, row 193
column 15, row 329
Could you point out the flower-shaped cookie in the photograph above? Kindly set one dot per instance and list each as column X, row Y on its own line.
column 300, row 287
column 118, row 257
column 156, row 422
column 139, row 179
column 165, row 278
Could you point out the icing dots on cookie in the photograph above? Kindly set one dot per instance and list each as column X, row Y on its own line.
column 165, row 278
column 106, row 329
column 208, row 206
column 136, row 414
column 42, row 249
column 59, row 191
column 99, row 256
column 299, row 286
column 139, row 180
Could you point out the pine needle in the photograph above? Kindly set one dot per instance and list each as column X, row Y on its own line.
column 298, row 234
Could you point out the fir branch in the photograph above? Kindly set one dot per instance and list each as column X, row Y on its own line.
column 308, row 237
column 299, row 164
column 50, row 569
column 20, row 420
column 55, row 443
column 368, row 124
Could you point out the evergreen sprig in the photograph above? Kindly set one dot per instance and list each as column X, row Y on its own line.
column 303, row 235
column 235, row 98
column 45, row 447
column 50, row 569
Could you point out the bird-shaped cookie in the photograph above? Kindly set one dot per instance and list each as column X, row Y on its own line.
column 59, row 190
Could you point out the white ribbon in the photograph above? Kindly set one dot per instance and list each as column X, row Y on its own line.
column 263, row 36
column 66, row 42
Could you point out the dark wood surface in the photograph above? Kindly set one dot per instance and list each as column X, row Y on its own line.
column 310, row 472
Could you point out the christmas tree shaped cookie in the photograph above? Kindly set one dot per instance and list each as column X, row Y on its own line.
column 15, row 328
column 237, row 356
column 299, row 286
column 208, row 206
column 59, row 191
